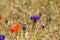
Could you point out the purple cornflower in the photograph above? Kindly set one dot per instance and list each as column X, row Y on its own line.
column 24, row 26
column 2, row 37
column 35, row 18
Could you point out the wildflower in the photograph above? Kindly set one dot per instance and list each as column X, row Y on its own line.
column 24, row 26
column 0, row 17
column 35, row 18
column 40, row 27
column 2, row 37
column 15, row 28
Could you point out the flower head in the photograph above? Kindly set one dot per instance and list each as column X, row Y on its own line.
column 2, row 37
column 24, row 26
column 35, row 18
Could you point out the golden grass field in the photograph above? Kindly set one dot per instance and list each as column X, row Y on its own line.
column 19, row 11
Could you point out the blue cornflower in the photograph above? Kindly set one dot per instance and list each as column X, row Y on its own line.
column 35, row 18
column 2, row 37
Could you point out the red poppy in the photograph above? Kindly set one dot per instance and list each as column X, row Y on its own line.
column 0, row 17
column 15, row 28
